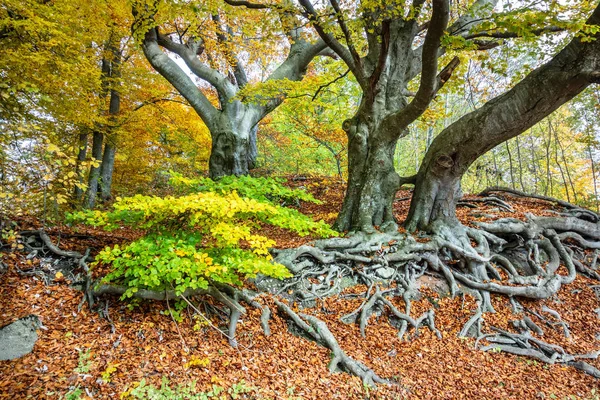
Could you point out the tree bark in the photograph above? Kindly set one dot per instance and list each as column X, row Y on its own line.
column 81, row 155
column 372, row 178
column 110, row 148
column 106, row 170
column 231, row 154
column 458, row 146
column 92, row 189
column 114, row 108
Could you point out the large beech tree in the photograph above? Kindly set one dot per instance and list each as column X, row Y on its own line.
column 377, row 42
column 213, row 49
column 437, row 184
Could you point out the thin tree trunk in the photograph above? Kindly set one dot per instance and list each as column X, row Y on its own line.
column 108, row 158
column 92, row 189
column 510, row 163
column 562, row 174
column 562, row 151
column 533, row 163
column 496, row 173
column 107, row 170
column 593, row 175
column 416, row 145
column 81, row 155
column 549, row 184
column 520, row 164
column 429, row 137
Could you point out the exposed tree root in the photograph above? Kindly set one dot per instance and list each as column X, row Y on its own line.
column 47, row 242
column 524, row 344
column 488, row 201
column 571, row 209
column 319, row 331
column 520, row 259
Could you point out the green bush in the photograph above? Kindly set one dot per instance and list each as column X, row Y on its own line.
column 261, row 188
column 196, row 239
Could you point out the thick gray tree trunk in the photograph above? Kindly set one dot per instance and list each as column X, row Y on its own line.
column 387, row 108
column 459, row 145
column 372, row 179
column 233, row 134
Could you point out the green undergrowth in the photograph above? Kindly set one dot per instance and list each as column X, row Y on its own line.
column 143, row 390
column 193, row 240
column 264, row 189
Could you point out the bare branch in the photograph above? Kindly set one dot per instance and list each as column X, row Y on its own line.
column 238, row 68
column 346, row 32
column 508, row 35
column 248, row 4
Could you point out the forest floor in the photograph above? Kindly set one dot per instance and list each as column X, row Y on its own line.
column 83, row 353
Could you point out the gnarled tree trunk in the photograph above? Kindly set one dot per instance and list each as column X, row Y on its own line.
column 459, row 145
column 232, row 153
column 372, row 179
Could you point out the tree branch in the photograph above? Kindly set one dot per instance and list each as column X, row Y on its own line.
column 177, row 77
column 536, row 96
column 508, row 35
column 383, row 53
column 248, row 4
column 462, row 26
column 431, row 82
column 238, row 68
column 344, row 53
column 189, row 56
column 346, row 32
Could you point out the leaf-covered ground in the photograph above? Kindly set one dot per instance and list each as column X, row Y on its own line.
column 107, row 357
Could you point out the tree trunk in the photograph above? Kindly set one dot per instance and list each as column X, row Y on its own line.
column 114, row 108
column 372, row 180
column 81, row 154
column 437, row 190
column 108, row 158
column 92, row 189
column 233, row 135
column 231, row 154
column 503, row 118
column 106, row 170
column 253, row 148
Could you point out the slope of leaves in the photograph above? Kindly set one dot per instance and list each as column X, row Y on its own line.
column 138, row 343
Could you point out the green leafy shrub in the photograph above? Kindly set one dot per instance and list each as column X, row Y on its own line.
column 261, row 188
column 195, row 239
column 145, row 391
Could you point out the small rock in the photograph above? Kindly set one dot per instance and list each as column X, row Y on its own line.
column 385, row 272
column 17, row 339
